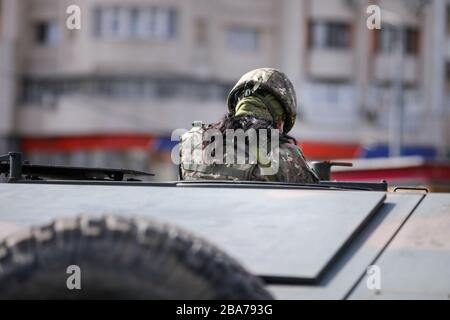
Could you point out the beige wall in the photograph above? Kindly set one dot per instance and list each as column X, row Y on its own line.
column 81, row 53
column 88, row 115
column 338, row 10
column 332, row 64
column 9, row 32
column 283, row 43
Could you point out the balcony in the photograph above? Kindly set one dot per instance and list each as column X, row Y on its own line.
column 447, row 48
column 329, row 104
column 381, row 100
column 331, row 63
column 7, row 86
column 386, row 68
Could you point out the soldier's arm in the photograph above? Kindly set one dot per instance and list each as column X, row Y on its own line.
column 293, row 166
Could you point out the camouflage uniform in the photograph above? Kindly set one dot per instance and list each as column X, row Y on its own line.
column 292, row 167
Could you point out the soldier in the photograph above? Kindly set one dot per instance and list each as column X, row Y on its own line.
column 262, row 99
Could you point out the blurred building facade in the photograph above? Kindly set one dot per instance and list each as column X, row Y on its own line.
column 112, row 93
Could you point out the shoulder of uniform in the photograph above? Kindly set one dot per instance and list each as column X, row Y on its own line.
column 293, row 149
column 289, row 146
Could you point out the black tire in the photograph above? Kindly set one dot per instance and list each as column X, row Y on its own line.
column 120, row 258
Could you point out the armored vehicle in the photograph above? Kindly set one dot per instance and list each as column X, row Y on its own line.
column 125, row 237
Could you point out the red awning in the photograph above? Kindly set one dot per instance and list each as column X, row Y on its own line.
column 312, row 150
column 95, row 142
column 329, row 150
column 425, row 173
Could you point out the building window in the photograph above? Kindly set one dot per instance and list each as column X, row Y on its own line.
column 329, row 35
column 447, row 19
column 1, row 16
column 43, row 92
column 201, row 32
column 133, row 22
column 447, row 76
column 47, row 33
column 387, row 37
column 411, row 41
column 243, row 39
column 97, row 22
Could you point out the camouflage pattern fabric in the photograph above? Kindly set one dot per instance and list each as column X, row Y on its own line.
column 292, row 166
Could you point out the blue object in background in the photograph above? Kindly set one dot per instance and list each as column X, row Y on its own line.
column 382, row 151
column 164, row 144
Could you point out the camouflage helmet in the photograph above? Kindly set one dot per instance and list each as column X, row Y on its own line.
column 271, row 81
